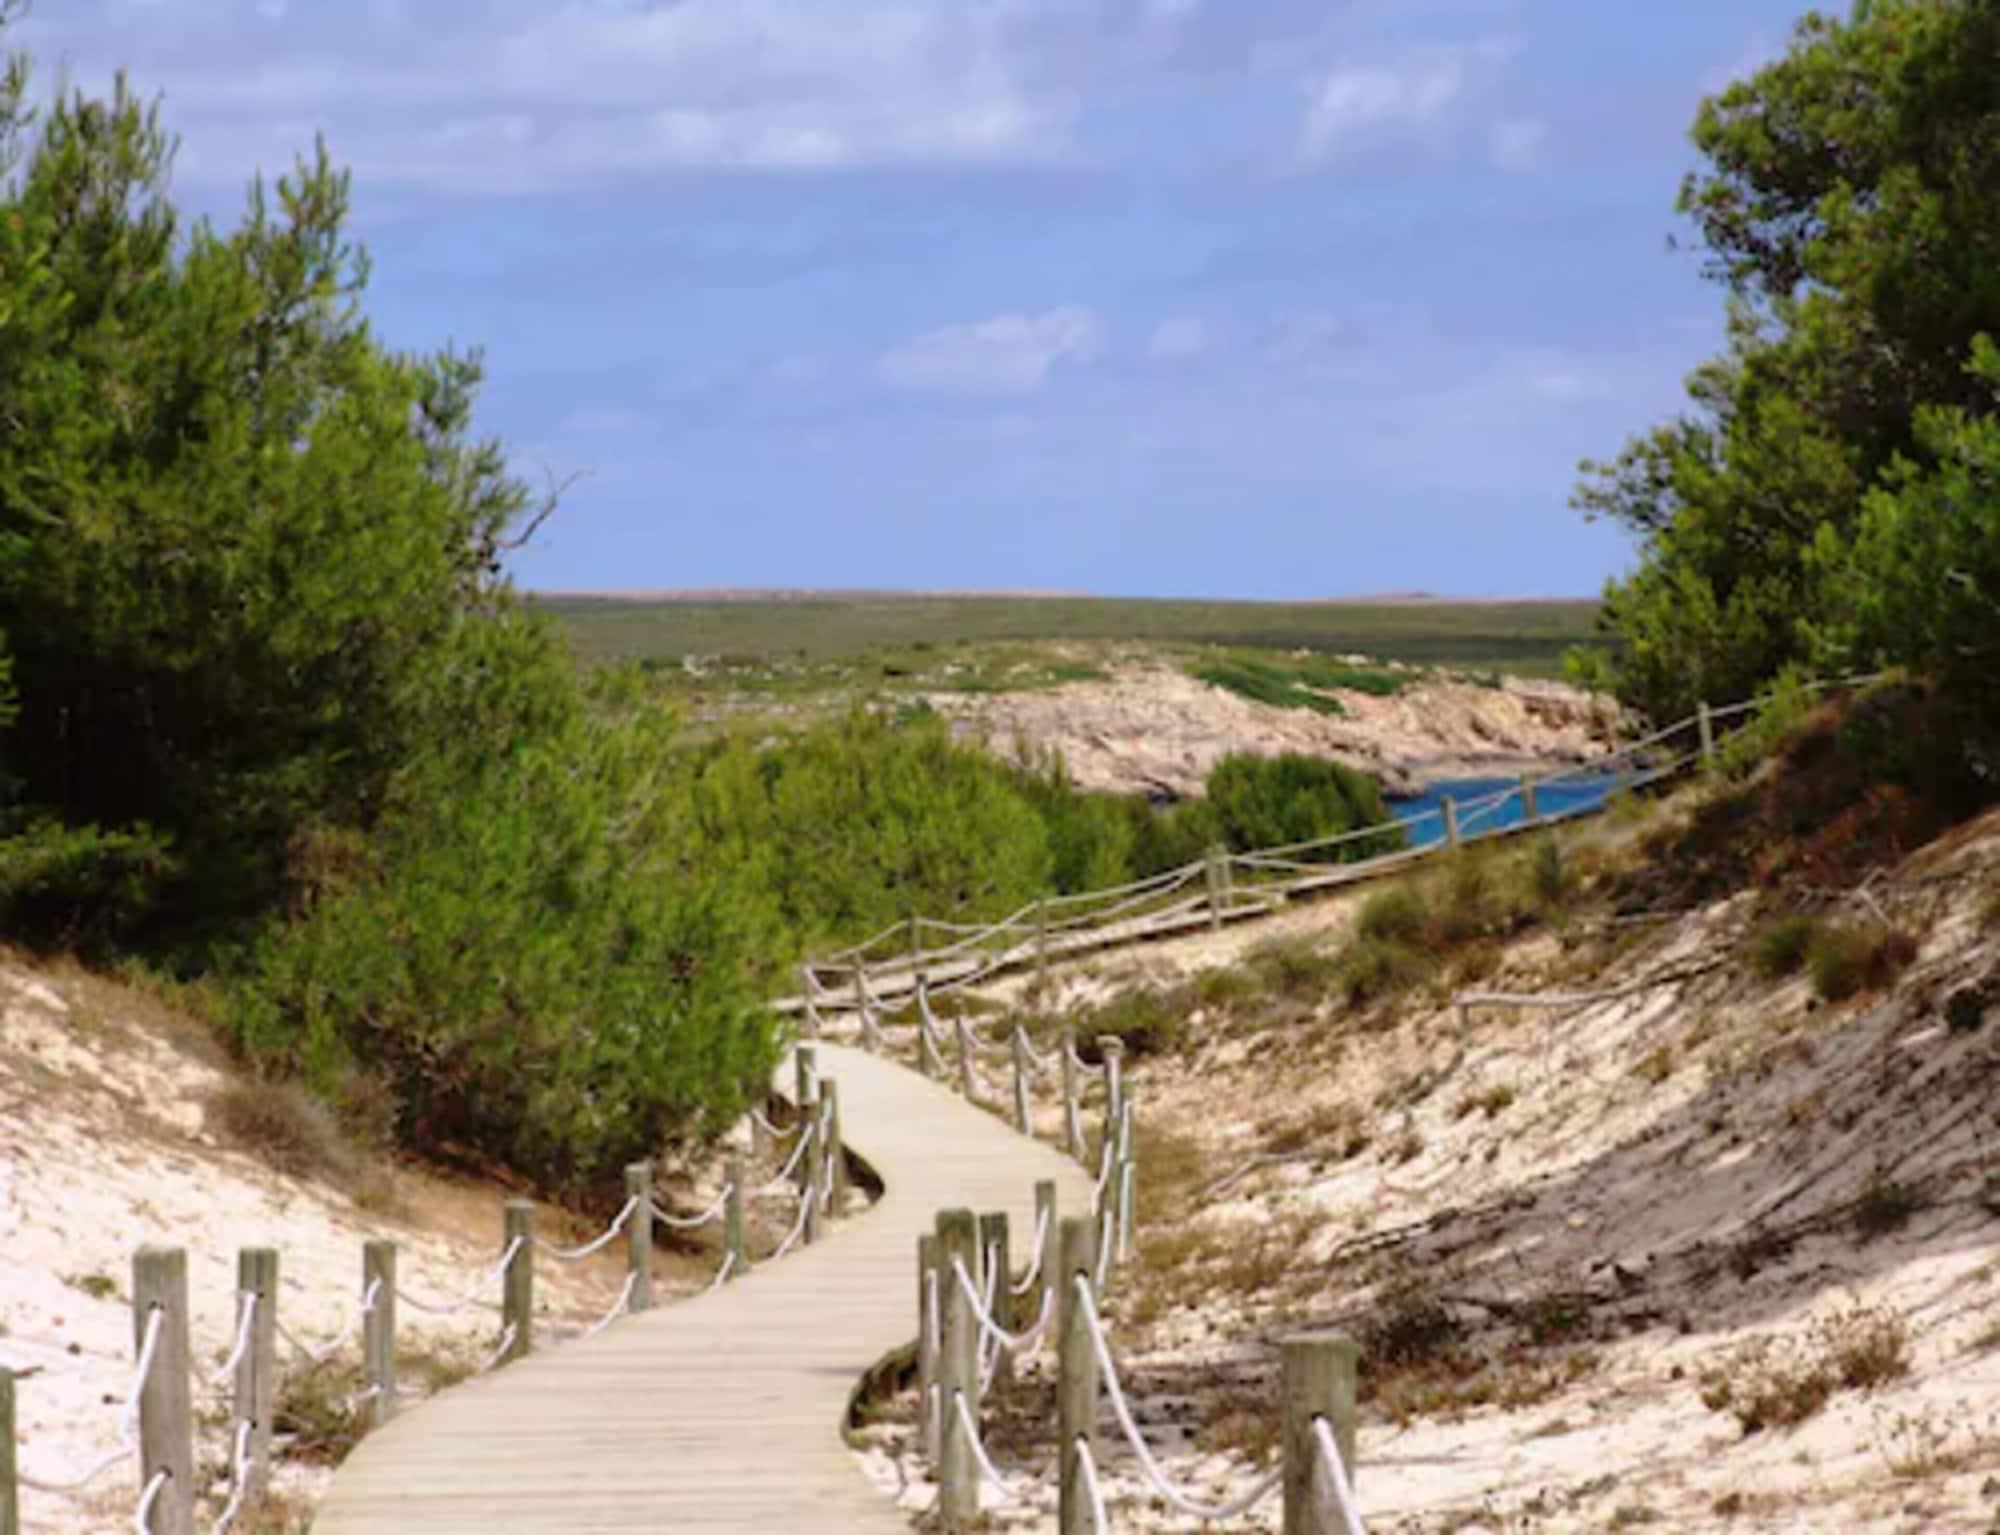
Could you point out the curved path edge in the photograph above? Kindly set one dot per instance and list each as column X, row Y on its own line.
column 723, row 1412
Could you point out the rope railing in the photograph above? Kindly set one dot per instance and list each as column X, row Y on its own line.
column 246, row 1315
column 1335, row 1471
column 713, row 1212
column 128, row 1414
column 597, row 1244
column 1034, row 1269
column 460, row 1303
column 1140, row 1449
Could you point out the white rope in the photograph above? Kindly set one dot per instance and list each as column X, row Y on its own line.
column 690, row 1223
column 770, row 1129
column 1343, row 1490
column 1103, row 1251
column 937, row 1416
column 572, row 1254
column 142, row 1518
column 1035, row 1264
column 798, row 1228
column 986, row 1466
column 989, row 1345
column 979, row 1046
column 988, row 1324
column 721, row 1274
column 246, row 1306
column 499, row 1349
column 931, row 1311
column 1087, row 1464
column 618, row 1307
column 1103, row 1178
column 239, row 1479
column 1041, row 1063
column 932, row 1054
column 128, row 1413
column 791, row 1166
column 1166, row 1489
column 466, row 1301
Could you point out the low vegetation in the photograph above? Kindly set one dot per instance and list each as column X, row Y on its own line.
column 1775, row 1383
column 1295, row 682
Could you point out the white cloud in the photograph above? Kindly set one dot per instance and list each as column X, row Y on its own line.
column 1179, row 337
column 1517, row 143
column 1007, row 354
column 1352, row 100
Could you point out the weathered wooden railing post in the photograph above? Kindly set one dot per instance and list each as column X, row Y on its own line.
column 1112, row 1048
column 378, row 1331
column 1076, row 1378
column 930, row 1323
column 1127, row 1175
column 805, row 1063
column 256, row 1384
column 1450, row 808
column 639, row 1234
column 923, row 1025
column 1319, row 1381
column 517, row 1296
column 958, row 1369
column 1530, row 811
column 10, row 1497
column 1072, row 1107
column 1217, row 870
column 1043, row 1295
column 1705, row 723
column 995, row 1277
column 1022, row 1120
column 166, row 1417
column 1041, row 954
column 809, row 989
column 966, row 1084
column 834, row 1152
column 734, row 1253
column 812, row 1167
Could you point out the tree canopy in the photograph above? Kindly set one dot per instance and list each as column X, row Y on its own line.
column 1849, row 207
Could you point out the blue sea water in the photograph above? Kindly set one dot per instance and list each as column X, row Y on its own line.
column 1550, row 799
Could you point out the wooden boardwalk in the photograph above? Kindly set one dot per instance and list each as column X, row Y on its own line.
column 721, row 1412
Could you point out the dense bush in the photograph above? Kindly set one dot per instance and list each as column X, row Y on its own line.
column 1829, row 495
column 1271, row 801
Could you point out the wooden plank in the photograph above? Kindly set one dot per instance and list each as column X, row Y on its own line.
column 723, row 1412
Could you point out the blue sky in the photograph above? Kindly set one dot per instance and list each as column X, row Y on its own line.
column 1260, row 298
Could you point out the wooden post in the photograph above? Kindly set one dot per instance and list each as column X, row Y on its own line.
column 1450, row 808
column 517, row 1308
column 916, row 939
column 805, row 1061
column 833, row 1152
column 10, row 1500
column 257, row 1371
column 1072, row 1106
column 1041, row 954
column 732, row 1219
column 923, row 1024
column 966, row 1084
column 995, row 1272
column 1045, row 1222
column 808, row 988
column 958, row 1369
column 1128, row 1196
column 1113, row 1051
column 811, row 1170
column 929, row 1326
column 1076, row 1379
column 1530, row 812
column 378, row 1332
column 1214, row 859
column 1022, row 1119
column 1705, row 722
column 166, row 1417
column 1319, row 1370
column 639, row 1235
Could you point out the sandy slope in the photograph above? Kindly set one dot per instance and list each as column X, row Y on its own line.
column 103, row 1147
column 1671, row 1175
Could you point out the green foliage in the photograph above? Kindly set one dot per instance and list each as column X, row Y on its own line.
column 1783, row 710
column 1291, row 967
column 1265, row 683
column 544, row 963
column 79, row 886
column 1850, row 203
column 1847, row 958
column 1398, row 914
column 1779, row 948
column 1149, row 1021
column 1262, row 802
column 246, row 554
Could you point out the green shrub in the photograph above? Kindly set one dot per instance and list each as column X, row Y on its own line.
column 1292, row 967
column 1398, row 914
column 1779, row 948
column 1848, row 959
column 1261, row 682
column 1228, row 988
column 1148, row 1020
column 1373, row 968
column 81, row 887
column 1264, row 802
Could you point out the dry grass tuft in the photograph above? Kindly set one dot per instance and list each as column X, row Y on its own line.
column 281, row 1125
column 1774, row 1383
